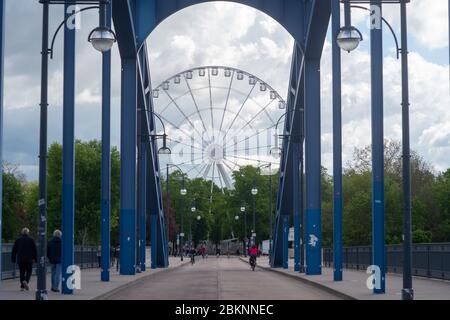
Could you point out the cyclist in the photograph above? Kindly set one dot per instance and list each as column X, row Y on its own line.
column 253, row 253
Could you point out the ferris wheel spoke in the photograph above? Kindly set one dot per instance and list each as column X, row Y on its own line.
column 184, row 144
column 234, row 163
column 242, row 106
column 227, row 165
column 174, row 125
column 213, row 176
column 190, row 161
column 194, row 167
column 251, row 136
column 195, row 103
column 201, row 170
column 226, row 102
column 254, row 148
column 210, row 101
column 248, row 123
column 254, row 160
column 205, row 174
column 220, row 181
column 225, row 177
column 181, row 111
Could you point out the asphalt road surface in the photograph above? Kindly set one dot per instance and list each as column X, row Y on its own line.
column 220, row 279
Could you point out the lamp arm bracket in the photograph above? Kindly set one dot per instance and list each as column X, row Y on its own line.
column 387, row 24
column 50, row 50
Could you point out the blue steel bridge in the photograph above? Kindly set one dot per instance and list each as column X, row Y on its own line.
column 147, row 133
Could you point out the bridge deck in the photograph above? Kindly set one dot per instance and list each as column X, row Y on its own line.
column 354, row 284
column 221, row 279
column 91, row 286
column 229, row 279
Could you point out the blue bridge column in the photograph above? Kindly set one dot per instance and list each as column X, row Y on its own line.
column 376, row 44
column 296, row 199
column 337, row 145
column 313, row 234
column 152, row 203
column 285, row 241
column 154, row 240
column 2, row 44
column 106, row 159
column 68, row 158
column 128, row 167
column 142, row 201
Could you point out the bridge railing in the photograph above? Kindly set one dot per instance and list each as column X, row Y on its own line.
column 85, row 257
column 431, row 260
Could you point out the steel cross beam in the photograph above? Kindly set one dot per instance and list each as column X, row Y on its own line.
column 134, row 20
column 154, row 203
column 2, row 49
column 137, row 107
column 306, row 54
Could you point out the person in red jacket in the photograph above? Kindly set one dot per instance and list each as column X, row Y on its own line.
column 253, row 253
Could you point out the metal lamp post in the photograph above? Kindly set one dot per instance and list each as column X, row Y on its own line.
column 183, row 192
column 245, row 230
column 99, row 42
column 269, row 165
column 193, row 210
column 254, row 193
column 407, row 291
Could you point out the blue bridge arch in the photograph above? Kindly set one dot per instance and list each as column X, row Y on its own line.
column 140, row 189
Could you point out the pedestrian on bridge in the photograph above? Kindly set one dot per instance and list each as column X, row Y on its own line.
column 25, row 254
column 54, row 257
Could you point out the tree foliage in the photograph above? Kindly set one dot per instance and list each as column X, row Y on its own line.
column 219, row 210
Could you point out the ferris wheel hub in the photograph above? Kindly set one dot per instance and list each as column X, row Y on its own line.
column 214, row 152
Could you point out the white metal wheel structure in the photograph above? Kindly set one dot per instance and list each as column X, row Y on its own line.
column 218, row 119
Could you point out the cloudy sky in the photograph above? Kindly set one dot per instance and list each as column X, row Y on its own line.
column 237, row 36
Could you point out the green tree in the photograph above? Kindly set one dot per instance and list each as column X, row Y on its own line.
column 14, row 215
column 87, row 191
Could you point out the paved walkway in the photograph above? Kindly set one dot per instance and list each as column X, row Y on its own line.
column 354, row 284
column 220, row 279
column 91, row 286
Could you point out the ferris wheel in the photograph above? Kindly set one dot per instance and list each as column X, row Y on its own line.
column 218, row 119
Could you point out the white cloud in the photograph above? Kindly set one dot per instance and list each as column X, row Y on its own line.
column 269, row 25
column 238, row 36
column 428, row 22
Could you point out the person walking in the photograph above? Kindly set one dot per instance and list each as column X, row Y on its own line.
column 54, row 257
column 192, row 253
column 24, row 253
column 99, row 256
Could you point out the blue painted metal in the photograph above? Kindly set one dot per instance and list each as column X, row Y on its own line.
column 106, row 159
column 284, row 197
column 153, row 202
column 149, row 13
column 128, row 167
column 376, row 41
column 142, row 176
column 68, row 160
column 315, row 16
column 337, row 144
column 297, row 202
column 134, row 20
column 2, row 47
column 313, row 226
column 285, row 241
